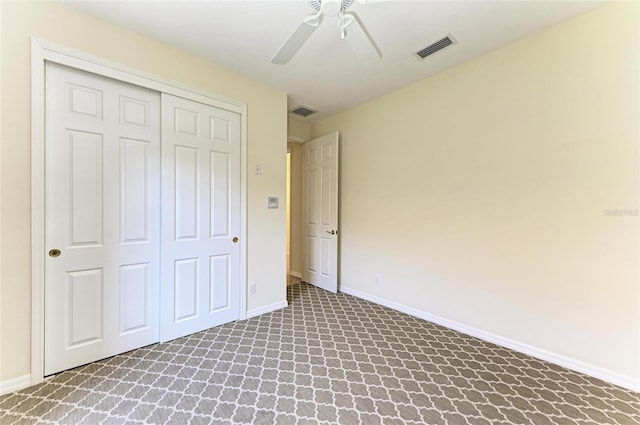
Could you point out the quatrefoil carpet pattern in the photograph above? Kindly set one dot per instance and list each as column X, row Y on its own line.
column 326, row 359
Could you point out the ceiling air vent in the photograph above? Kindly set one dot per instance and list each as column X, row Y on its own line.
column 303, row 111
column 436, row 47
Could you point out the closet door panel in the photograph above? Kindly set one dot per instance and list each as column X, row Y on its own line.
column 201, row 217
column 102, row 217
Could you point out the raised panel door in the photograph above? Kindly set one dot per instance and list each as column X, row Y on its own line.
column 102, row 214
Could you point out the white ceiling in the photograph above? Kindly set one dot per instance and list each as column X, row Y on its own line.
column 325, row 74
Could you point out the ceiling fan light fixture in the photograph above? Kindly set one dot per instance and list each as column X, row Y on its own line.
column 330, row 7
column 317, row 5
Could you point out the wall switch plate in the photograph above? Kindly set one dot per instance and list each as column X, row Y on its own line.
column 272, row 202
column 258, row 169
column 252, row 288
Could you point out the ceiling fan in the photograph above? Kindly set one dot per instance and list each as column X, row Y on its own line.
column 351, row 30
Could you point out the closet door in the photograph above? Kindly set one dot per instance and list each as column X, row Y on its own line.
column 200, row 217
column 102, row 218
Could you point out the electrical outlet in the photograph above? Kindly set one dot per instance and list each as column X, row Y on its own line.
column 252, row 288
column 378, row 279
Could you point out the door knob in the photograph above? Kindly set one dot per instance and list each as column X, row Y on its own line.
column 332, row 232
column 235, row 239
column 55, row 253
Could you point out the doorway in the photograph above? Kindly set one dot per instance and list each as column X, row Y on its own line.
column 295, row 151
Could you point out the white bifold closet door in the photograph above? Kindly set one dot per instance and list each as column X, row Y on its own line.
column 102, row 215
column 200, row 217
column 142, row 217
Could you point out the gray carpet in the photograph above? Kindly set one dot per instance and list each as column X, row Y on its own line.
column 326, row 359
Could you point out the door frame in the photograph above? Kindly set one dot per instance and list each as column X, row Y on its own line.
column 43, row 51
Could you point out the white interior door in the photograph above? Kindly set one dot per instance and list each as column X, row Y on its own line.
column 320, row 212
column 200, row 217
column 102, row 215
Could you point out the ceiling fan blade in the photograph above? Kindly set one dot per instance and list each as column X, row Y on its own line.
column 297, row 39
column 358, row 39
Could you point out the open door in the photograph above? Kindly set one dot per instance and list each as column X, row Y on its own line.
column 320, row 212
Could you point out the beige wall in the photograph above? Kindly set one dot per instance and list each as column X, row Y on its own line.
column 1, row 95
column 480, row 194
column 296, row 150
column 267, row 135
column 298, row 130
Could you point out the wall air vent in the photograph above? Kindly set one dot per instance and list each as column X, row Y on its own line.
column 303, row 111
column 436, row 47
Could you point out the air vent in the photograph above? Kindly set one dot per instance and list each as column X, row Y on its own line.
column 436, row 47
column 303, row 111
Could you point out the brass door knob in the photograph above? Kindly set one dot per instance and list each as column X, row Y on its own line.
column 235, row 239
column 55, row 253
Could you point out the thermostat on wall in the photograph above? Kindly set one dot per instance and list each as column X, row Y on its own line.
column 272, row 202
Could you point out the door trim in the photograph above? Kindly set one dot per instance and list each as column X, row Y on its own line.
column 43, row 51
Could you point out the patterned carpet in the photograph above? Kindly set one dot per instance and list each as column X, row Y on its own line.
column 326, row 359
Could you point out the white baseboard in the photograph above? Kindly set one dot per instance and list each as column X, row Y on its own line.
column 560, row 360
column 295, row 274
column 15, row 384
column 267, row 309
